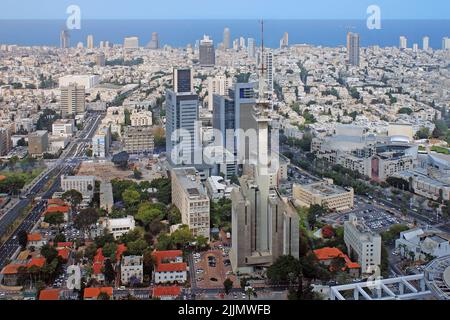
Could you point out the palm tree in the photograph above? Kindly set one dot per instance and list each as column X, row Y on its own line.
column 250, row 292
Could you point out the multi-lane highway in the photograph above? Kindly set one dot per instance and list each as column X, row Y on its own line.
column 70, row 158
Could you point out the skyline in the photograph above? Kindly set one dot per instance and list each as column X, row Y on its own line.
column 250, row 9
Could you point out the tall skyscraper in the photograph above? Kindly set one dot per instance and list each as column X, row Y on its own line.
column 251, row 47
column 265, row 226
column 403, row 42
column 72, row 100
column 426, row 43
column 268, row 65
column 226, row 38
column 446, row 43
column 64, row 39
column 218, row 85
column 154, row 43
column 100, row 59
column 207, row 53
column 242, row 43
column 353, row 48
column 284, row 42
column 90, row 42
column 183, row 81
column 181, row 119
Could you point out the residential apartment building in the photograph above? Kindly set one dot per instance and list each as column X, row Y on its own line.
column 132, row 270
column 38, row 143
column 190, row 197
column 141, row 118
column 138, row 139
column 73, row 100
column 363, row 244
column 5, row 141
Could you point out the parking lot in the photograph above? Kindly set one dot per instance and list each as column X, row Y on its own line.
column 212, row 268
column 377, row 219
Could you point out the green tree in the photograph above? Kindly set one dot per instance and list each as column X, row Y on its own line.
column 148, row 213
column 86, row 218
column 227, row 285
column 73, row 197
column 49, row 253
column 110, row 274
column 137, row 248
column 54, row 218
column 131, row 197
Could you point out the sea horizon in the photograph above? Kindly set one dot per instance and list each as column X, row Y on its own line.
column 181, row 32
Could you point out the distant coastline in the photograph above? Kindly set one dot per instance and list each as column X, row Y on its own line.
column 179, row 33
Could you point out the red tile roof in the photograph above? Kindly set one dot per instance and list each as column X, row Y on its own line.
column 50, row 294
column 90, row 293
column 56, row 202
column 62, row 209
column 38, row 262
column 333, row 253
column 163, row 261
column 64, row 244
column 64, row 253
column 172, row 291
column 121, row 248
column 11, row 269
column 171, row 267
column 34, row 237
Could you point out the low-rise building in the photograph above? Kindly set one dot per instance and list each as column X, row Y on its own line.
column 83, row 184
column 327, row 257
column 417, row 244
column 121, row 226
column 218, row 188
column 63, row 127
column 325, row 194
column 169, row 267
column 132, row 270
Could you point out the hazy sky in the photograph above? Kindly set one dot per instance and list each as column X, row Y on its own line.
column 216, row 9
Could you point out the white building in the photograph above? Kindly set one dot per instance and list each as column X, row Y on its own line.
column 86, row 81
column 131, row 43
column 169, row 267
column 63, row 128
column 83, row 184
column 364, row 244
column 218, row 188
column 403, row 42
column 132, row 270
column 121, row 226
column 420, row 245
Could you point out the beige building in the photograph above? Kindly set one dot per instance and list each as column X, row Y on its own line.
column 38, row 143
column 73, row 99
column 363, row 244
column 189, row 196
column 325, row 194
column 141, row 118
column 138, row 139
